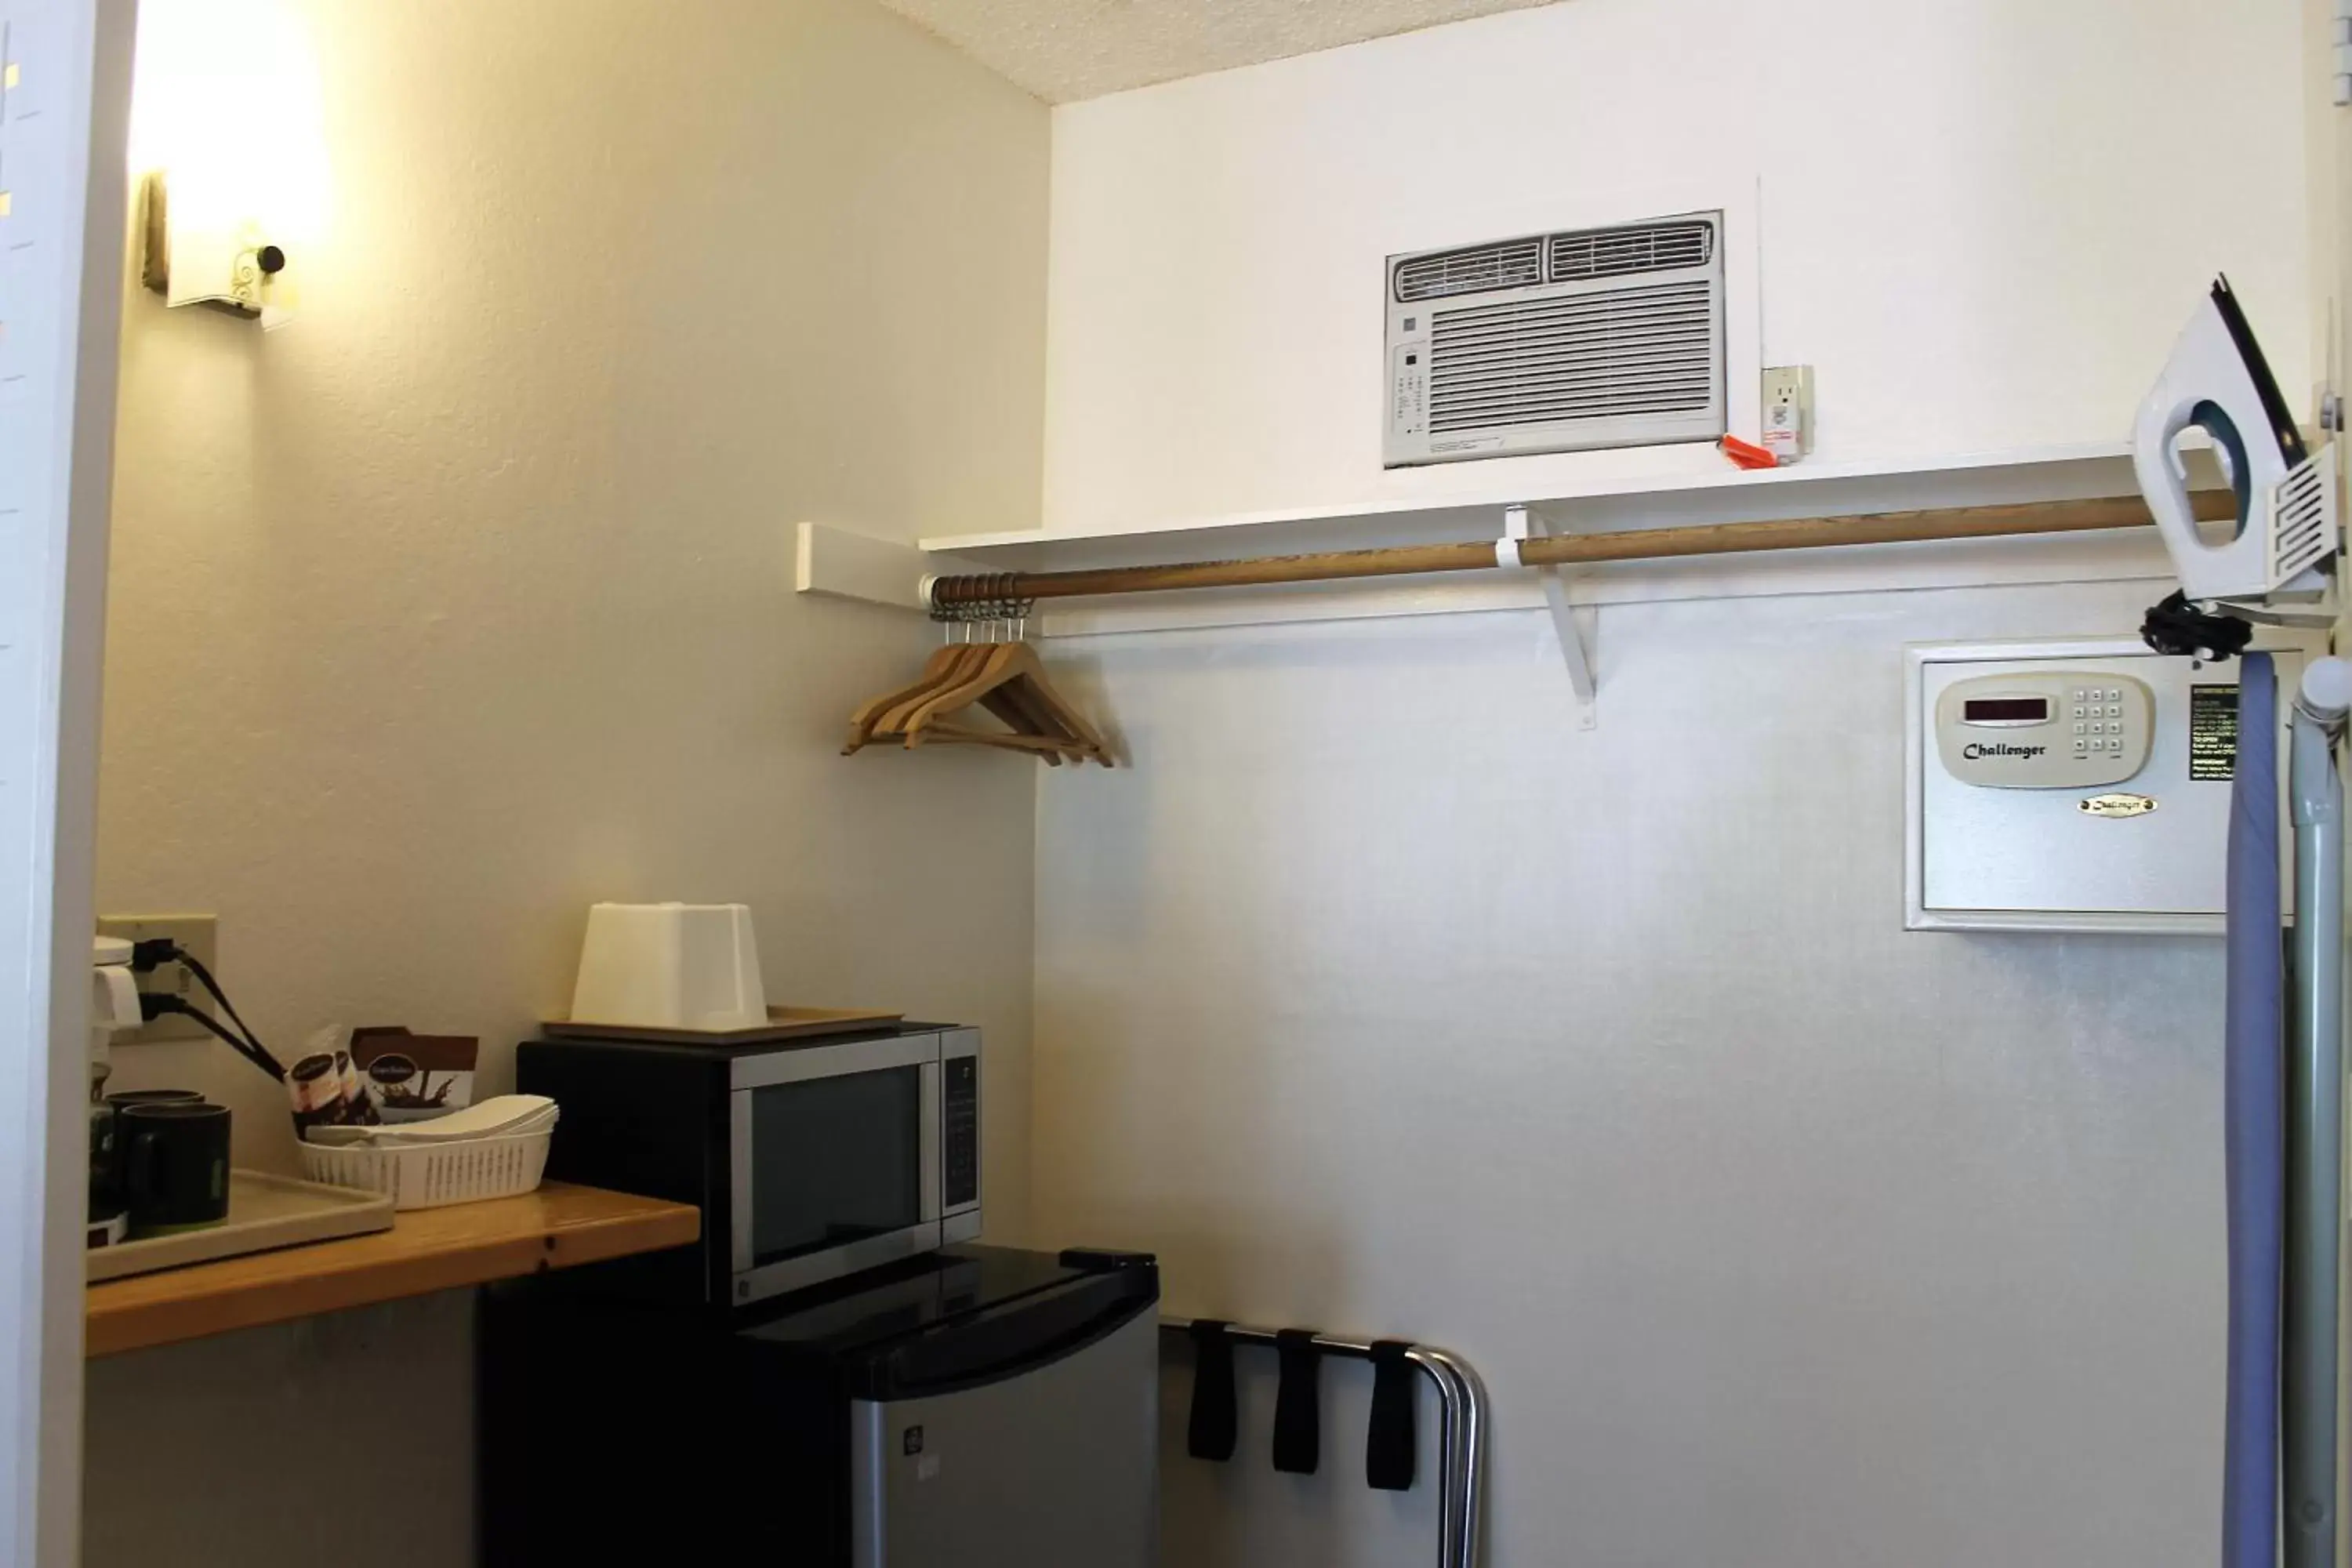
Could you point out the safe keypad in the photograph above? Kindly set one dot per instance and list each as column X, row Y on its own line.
column 2044, row 729
column 2098, row 719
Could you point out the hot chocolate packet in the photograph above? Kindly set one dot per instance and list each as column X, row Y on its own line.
column 414, row 1078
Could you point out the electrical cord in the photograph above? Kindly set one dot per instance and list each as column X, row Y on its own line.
column 204, row 978
column 153, row 953
column 156, row 952
column 154, row 1005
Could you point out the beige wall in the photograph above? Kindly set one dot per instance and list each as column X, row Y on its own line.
column 466, row 600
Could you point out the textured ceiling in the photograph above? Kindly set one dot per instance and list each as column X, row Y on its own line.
column 1066, row 50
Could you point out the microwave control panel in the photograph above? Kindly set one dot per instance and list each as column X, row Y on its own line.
column 959, row 1131
column 2045, row 729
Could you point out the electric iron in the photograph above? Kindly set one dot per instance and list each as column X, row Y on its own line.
column 2279, row 565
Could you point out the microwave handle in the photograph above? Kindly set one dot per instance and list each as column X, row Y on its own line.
column 933, row 1130
column 738, row 1180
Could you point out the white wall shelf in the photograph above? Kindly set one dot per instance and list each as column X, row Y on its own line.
column 1969, row 478
column 848, row 566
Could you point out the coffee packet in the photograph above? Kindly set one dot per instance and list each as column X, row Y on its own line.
column 324, row 1087
column 414, row 1078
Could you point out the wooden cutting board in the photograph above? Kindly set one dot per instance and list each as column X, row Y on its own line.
column 783, row 1024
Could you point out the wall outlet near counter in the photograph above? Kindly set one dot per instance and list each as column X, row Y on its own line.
column 196, row 934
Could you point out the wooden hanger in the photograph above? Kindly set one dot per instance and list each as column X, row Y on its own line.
column 1011, row 667
column 867, row 720
column 1026, row 719
column 1052, row 751
column 1006, row 678
column 880, row 716
column 968, row 658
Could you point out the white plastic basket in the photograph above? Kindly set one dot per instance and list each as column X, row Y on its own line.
column 427, row 1175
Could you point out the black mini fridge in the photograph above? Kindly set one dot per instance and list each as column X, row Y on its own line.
column 976, row 1408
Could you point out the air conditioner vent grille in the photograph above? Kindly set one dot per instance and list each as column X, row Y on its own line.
column 1510, row 265
column 1645, row 348
column 1562, row 341
column 1637, row 247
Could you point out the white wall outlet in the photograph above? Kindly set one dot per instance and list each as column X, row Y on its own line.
column 195, row 933
column 1787, row 402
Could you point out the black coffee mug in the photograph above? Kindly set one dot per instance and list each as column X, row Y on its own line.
column 106, row 1138
column 174, row 1165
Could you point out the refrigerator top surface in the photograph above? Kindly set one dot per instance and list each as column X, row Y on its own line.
column 886, row 1306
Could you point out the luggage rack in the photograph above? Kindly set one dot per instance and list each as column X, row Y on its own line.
column 1462, row 1426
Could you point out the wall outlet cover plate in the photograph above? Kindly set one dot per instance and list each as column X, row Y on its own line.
column 197, row 934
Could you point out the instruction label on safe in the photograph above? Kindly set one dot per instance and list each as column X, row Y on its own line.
column 2214, row 732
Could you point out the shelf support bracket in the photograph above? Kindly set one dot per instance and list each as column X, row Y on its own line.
column 843, row 564
column 1575, row 625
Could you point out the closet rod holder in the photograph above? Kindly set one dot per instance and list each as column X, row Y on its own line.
column 1461, row 1434
column 947, row 595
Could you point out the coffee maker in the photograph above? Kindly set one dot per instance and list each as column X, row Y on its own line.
column 113, row 1007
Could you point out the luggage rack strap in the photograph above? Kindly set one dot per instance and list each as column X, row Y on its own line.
column 1462, row 1427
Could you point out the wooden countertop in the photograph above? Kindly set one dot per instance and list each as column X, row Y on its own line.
column 425, row 1250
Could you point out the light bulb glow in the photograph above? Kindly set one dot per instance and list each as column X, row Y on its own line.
column 227, row 104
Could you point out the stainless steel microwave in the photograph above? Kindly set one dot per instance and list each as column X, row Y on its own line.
column 810, row 1161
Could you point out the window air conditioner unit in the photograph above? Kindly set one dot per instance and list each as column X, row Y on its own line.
column 1556, row 342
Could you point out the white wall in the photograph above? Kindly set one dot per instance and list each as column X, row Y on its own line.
column 1982, row 224
column 1379, row 997
column 466, row 600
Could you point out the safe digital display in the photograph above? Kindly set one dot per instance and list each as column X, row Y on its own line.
column 2005, row 711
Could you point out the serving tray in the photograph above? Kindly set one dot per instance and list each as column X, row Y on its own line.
column 783, row 1024
column 264, row 1211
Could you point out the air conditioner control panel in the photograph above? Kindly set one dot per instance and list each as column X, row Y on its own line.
column 2055, row 728
column 1409, row 400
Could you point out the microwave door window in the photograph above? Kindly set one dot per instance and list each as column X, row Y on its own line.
column 835, row 1159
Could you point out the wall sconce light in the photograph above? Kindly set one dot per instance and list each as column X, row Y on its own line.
column 225, row 264
column 228, row 144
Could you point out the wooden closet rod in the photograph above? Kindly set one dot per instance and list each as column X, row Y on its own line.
column 1570, row 549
